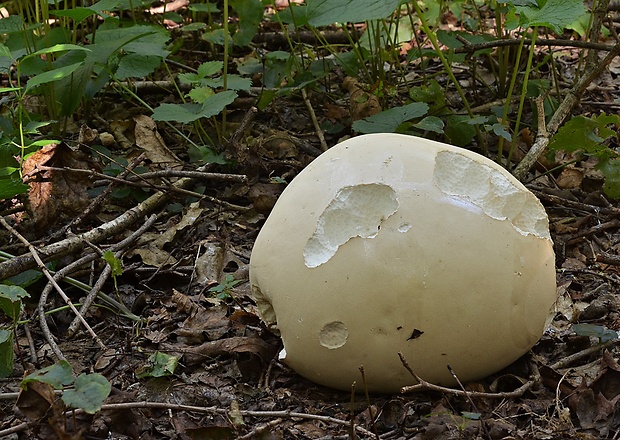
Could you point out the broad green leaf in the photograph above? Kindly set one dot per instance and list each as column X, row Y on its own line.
column 90, row 392
column 51, row 76
column 234, row 82
column 250, row 13
column 59, row 48
column 11, row 24
column 158, row 365
column 556, row 14
column 216, row 103
column 11, row 300
column 204, row 7
column 58, row 375
column 183, row 113
column 200, row 94
column 6, row 353
column 202, row 154
column 584, row 134
column 459, row 131
column 76, row 14
column 135, row 65
column 388, row 121
column 611, row 171
column 210, row 68
column 325, row 12
column 5, row 51
column 10, row 187
column 430, row 123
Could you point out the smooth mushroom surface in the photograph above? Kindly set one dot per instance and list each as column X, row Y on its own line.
column 390, row 243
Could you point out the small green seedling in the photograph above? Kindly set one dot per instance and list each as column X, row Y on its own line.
column 223, row 290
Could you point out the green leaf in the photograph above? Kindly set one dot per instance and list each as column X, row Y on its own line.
column 210, row 68
column 388, row 121
column 319, row 13
column 203, row 154
column 158, row 365
column 186, row 113
column 216, row 103
column 51, row 76
column 58, row 375
column 430, row 123
column 59, row 48
column 204, row 7
column 556, row 14
column 234, row 82
column 597, row 331
column 200, row 94
column 10, row 187
column 501, row 130
column 11, row 300
column 90, row 392
column 250, row 13
column 183, row 113
column 135, row 65
column 584, row 134
column 7, row 354
column 459, row 131
column 115, row 263
column 611, row 171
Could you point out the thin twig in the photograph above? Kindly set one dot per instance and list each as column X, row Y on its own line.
column 423, row 385
column 51, row 279
column 315, row 121
column 562, row 112
column 118, row 248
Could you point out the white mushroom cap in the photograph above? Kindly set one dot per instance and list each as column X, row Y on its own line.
column 389, row 243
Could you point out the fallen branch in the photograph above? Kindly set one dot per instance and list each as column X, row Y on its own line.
column 542, row 139
column 76, row 243
column 423, row 385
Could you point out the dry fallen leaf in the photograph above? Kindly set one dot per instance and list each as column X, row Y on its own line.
column 363, row 104
column 56, row 194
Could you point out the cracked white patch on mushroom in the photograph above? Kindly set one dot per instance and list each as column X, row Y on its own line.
column 490, row 190
column 333, row 335
column 355, row 211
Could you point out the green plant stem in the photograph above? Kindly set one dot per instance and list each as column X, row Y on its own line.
column 528, row 69
column 511, row 87
column 433, row 38
column 225, row 70
column 111, row 302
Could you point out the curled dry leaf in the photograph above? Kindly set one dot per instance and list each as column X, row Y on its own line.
column 363, row 104
column 57, row 194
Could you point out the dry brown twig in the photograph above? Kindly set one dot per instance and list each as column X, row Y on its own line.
column 572, row 97
column 207, row 410
column 76, row 243
column 53, row 282
column 118, row 249
column 423, row 385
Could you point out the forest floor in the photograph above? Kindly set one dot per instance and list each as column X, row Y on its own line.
column 186, row 277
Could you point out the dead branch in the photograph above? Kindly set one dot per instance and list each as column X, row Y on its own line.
column 52, row 282
column 542, row 139
column 423, row 385
column 76, row 243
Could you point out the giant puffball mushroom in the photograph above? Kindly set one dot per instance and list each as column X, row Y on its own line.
column 389, row 243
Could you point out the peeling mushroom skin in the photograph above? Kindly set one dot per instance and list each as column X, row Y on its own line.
column 389, row 243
